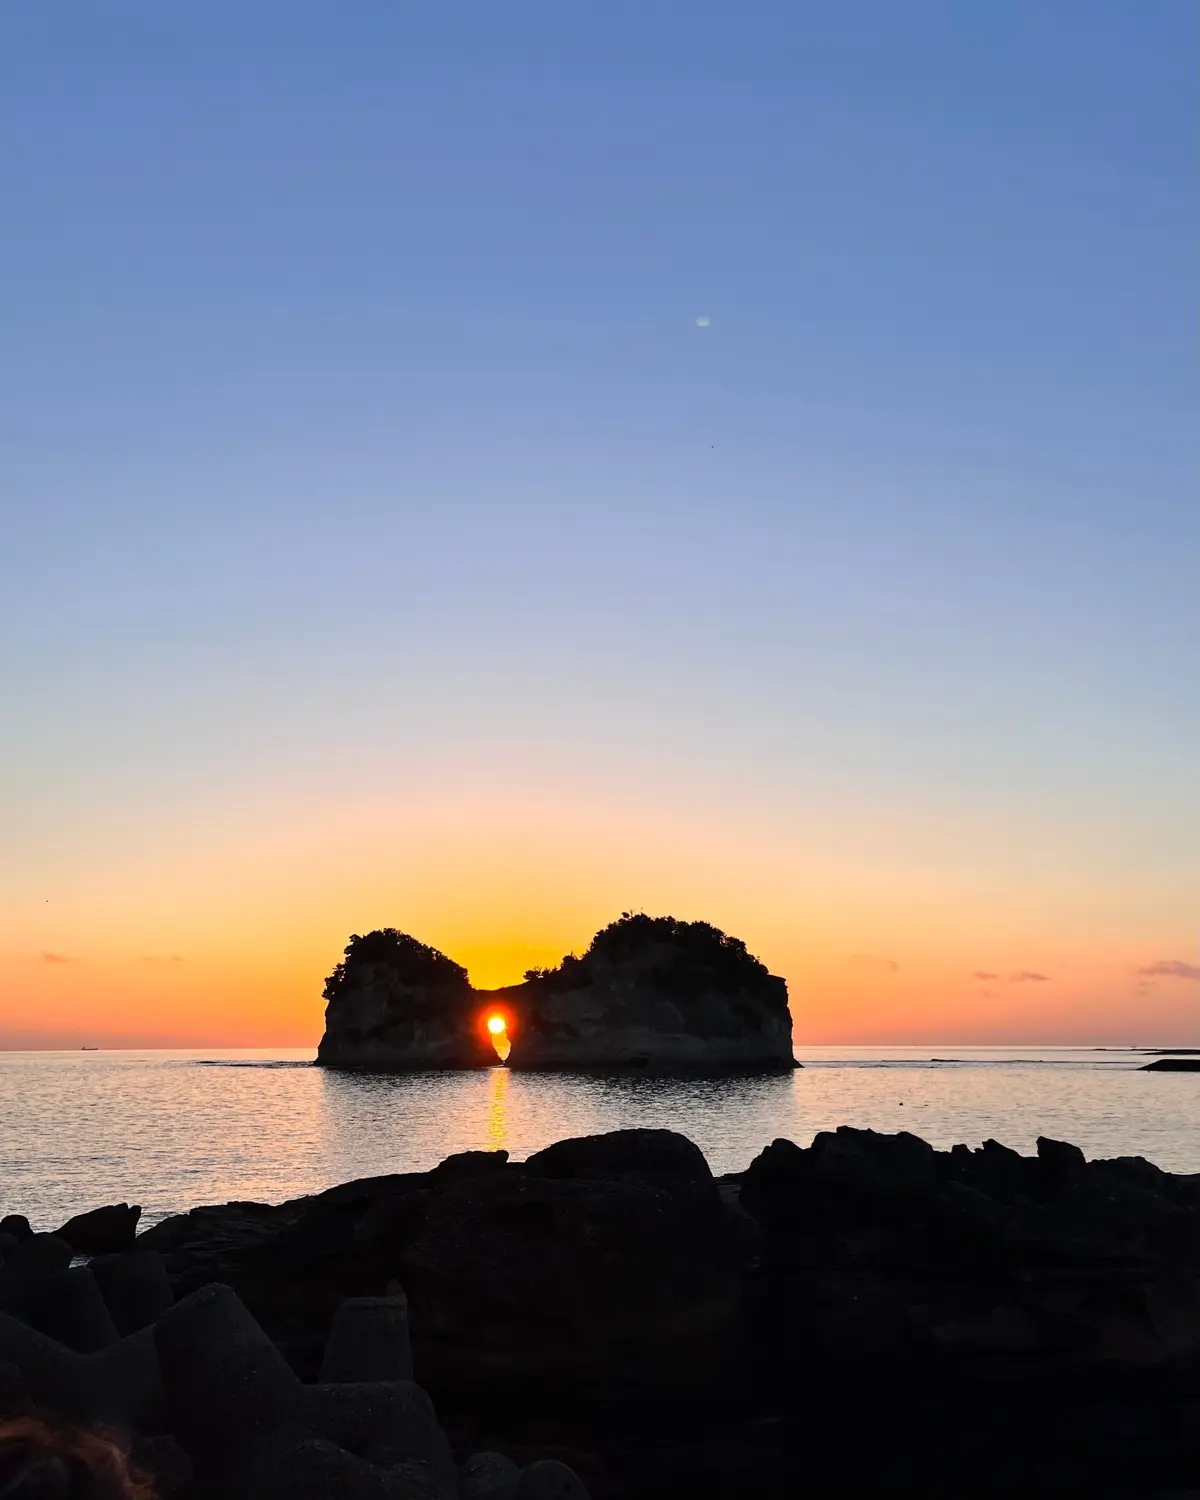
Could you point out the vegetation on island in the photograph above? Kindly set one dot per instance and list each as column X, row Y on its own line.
column 415, row 962
column 676, row 956
column 683, row 957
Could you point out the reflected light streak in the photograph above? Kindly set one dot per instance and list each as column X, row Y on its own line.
column 497, row 1124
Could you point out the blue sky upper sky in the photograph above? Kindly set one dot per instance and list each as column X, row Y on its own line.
column 358, row 436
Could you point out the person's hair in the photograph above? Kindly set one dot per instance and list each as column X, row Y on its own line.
column 45, row 1460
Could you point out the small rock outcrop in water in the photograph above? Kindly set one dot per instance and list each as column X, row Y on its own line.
column 102, row 1231
column 650, row 993
column 1172, row 1065
column 395, row 1003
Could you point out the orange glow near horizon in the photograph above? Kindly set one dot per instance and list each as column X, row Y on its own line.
column 222, row 930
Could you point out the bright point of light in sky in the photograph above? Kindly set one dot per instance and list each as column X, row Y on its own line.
column 703, row 322
column 495, row 1025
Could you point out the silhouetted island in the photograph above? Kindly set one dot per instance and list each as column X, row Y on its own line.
column 650, row 993
column 1172, row 1065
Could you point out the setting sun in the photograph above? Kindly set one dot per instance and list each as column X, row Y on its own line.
column 496, row 1026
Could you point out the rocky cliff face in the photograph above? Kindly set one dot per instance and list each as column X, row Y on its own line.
column 654, row 993
column 394, row 1003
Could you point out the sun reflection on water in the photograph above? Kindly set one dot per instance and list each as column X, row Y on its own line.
column 497, row 1117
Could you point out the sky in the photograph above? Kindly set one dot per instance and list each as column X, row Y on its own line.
column 480, row 469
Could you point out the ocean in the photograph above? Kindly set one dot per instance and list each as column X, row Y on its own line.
column 172, row 1129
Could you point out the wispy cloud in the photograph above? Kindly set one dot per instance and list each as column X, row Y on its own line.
column 869, row 963
column 1019, row 976
column 57, row 958
column 160, row 958
column 1169, row 968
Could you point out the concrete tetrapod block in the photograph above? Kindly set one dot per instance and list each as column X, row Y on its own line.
column 252, row 1430
column 369, row 1341
column 228, row 1388
column 117, row 1387
column 547, row 1479
column 32, row 1262
column 313, row 1469
column 488, row 1476
column 68, row 1307
column 387, row 1423
column 52, row 1374
column 135, row 1286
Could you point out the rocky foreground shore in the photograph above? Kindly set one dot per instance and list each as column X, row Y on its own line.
column 865, row 1317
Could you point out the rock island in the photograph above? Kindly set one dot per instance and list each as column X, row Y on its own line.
column 649, row 994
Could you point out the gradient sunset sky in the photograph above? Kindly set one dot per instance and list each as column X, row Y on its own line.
column 480, row 468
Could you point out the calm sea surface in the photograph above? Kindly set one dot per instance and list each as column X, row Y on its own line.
column 170, row 1130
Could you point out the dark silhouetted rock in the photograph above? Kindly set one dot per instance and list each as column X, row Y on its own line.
column 369, row 1341
column 567, row 1264
column 998, row 1171
column 864, row 1315
column 1172, row 1065
column 488, row 1476
column 775, row 1184
column 314, row 1469
column 394, row 1003
column 135, row 1287
column 198, row 1245
column 655, row 1154
column 17, row 1225
column 69, row 1307
column 227, row 1385
column 653, row 993
column 846, row 1177
column 389, row 1223
column 466, row 1164
column 14, row 1393
column 880, row 1253
column 118, row 1387
column 32, row 1262
column 547, row 1479
column 387, row 1422
column 250, row 1427
column 1062, row 1164
column 102, row 1231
